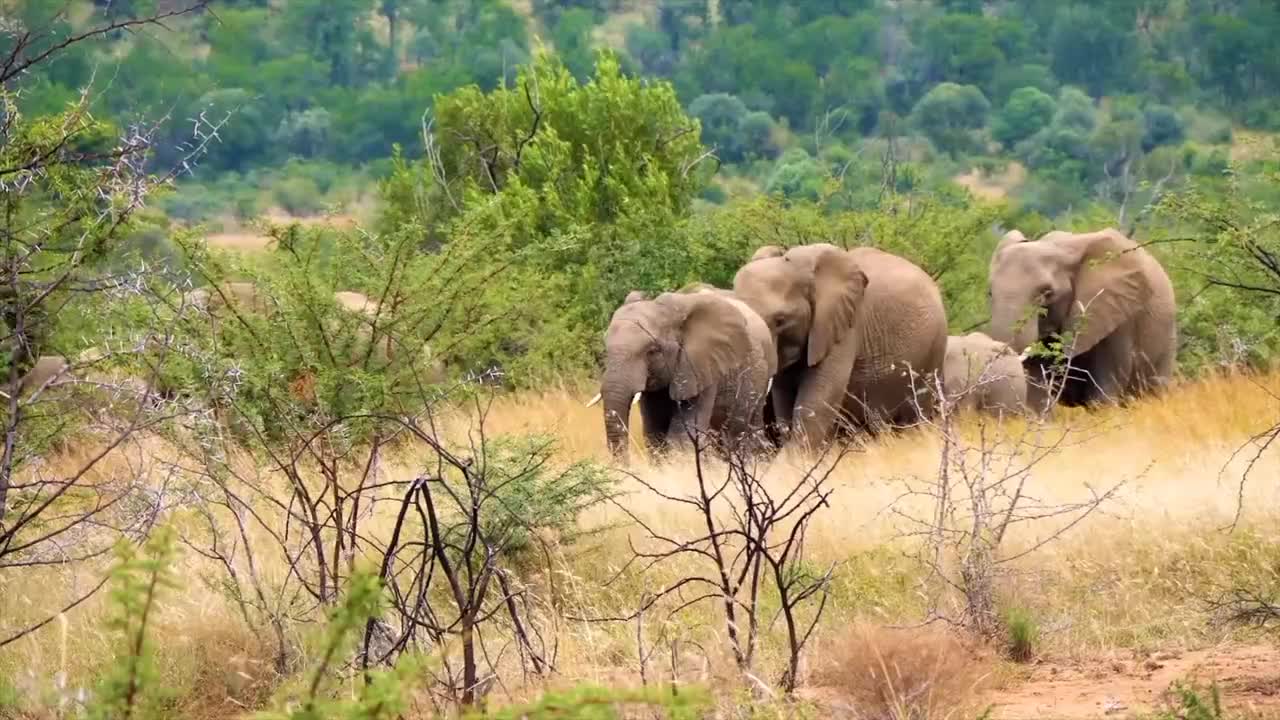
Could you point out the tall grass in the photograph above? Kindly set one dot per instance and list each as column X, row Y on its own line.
column 1126, row 578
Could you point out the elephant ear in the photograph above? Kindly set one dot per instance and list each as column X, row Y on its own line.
column 768, row 251
column 635, row 296
column 1013, row 237
column 1110, row 287
column 713, row 341
column 838, row 287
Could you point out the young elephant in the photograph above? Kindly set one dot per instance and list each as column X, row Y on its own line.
column 858, row 334
column 1108, row 299
column 694, row 363
column 984, row 374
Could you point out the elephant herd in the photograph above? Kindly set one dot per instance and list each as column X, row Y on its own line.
column 815, row 340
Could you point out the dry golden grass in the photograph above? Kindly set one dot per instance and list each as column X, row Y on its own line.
column 993, row 187
column 1125, row 581
column 1247, row 145
column 928, row 673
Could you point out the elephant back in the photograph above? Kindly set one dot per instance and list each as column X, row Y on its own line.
column 902, row 319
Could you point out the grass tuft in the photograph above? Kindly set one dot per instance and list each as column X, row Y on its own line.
column 926, row 673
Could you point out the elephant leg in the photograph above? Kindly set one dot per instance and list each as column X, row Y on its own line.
column 822, row 396
column 692, row 420
column 781, row 404
column 1110, row 367
column 657, row 410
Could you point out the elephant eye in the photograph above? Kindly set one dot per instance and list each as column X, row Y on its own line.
column 1043, row 294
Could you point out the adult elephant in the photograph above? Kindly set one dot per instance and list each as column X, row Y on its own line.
column 47, row 371
column 858, row 334
column 984, row 374
column 693, row 361
column 387, row 349
column 1103, row 295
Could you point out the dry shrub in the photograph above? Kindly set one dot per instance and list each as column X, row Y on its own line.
column 930, row 673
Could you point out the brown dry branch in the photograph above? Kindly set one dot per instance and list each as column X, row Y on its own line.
column 750, row 541
column 55, row 256
column 960, row 520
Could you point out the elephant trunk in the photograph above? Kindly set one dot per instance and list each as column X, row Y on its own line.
column 1015, row 324
column 616, row 392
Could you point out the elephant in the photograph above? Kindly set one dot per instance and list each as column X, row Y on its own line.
column 860, row 335
column 694, row 361
column 1105, row 297
column 984, row 374
column 388, row 349
column 240, row 294
column 47, row 371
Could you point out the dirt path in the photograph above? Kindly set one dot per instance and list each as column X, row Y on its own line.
column 1247, row 676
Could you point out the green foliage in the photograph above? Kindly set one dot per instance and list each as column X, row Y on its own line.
column 1027, row 112
column 1235, row 234
column 1023, row 634
column 1189, row 703
column 130, row 687
column 949, row 114
column 574, row 193
column 528, row 497
column 1090, row 50
column 1097, row 101
column 1163, row 127
column 731, row 129
column 381, row 693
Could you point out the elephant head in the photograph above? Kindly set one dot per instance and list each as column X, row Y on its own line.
column 668, row 350
column 1087, row 284
column 808, row 296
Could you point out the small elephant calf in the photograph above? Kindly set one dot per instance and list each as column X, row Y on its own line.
column 984, row 374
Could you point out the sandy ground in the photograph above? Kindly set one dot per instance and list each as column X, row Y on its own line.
column 1248, row 678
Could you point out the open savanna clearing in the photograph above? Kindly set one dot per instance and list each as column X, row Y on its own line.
column 1119, row 601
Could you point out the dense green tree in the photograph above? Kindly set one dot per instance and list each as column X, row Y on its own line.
column 1163, row 126
column 1027, row 112
column 1090, row 50
column 1011, row 77
column 796, row 176
column 335, row 31
column 960, row 48
column 721, row 116
column 756, row 131
column 949, row 114
column 579, row 191
column 573, row 40
column 1076, row 110
column 244, row 138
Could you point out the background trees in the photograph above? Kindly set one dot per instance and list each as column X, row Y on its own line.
column 345, row 82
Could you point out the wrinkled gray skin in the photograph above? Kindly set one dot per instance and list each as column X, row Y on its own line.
column 849, row 327
column 984, row 374
column 1109, row 295
column 696, row 363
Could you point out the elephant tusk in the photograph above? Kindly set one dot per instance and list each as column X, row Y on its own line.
column 635, row 399
column 594, row 400
column 768, row 386
column 1022, row 356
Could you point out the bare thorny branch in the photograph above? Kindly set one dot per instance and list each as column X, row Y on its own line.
column 982, row 491
column 750, row 538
